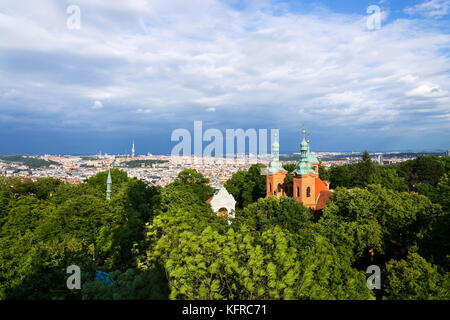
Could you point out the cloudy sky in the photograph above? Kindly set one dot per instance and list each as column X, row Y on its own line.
column 139, row 69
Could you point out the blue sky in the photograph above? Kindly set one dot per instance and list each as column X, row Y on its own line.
column 139, row 69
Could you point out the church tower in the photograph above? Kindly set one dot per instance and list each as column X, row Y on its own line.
column 109, row 186
column 275, row 172
column 305, row 175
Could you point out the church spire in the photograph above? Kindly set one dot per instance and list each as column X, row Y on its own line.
column 109, row 186
column 275, row 164
column 304, row 166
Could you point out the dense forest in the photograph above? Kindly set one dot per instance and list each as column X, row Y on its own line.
column 166, row 243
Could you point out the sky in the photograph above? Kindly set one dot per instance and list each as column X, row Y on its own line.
column 138, row 70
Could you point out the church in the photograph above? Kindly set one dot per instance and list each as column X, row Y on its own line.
column 306, row 186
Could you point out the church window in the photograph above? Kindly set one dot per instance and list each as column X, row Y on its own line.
column 308, row 192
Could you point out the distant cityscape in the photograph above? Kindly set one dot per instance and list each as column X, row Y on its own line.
column 160, row 170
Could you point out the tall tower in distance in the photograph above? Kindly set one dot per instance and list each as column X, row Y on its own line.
column 132, row 150
column 109, row 186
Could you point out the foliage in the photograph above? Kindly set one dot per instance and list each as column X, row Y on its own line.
column 98, row 181
column 247, row 186
column 159, row 243
column 289, row 167
column 31, row 162
column 48, row 225
column 415, row 278
column 240, row 265
column 266, row 212
column 193, row 182
column 403, row 216
column 132, row 284
column 143, row 163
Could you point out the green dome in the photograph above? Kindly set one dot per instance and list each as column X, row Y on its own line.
column 304, row 165
column 275, row 164
column 312, row 158
column 304, row 144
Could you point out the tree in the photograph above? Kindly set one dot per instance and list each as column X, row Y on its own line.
column 133, row 284
column 414, row 278
column 44, row 188
column 435, row 243
column 24, row 214
column 134, row 205
column 353, row 239
column 258, row 215
column 289, row 167
column 242, row 265
column 389, row 179
column 98, row 181
column 267, row 212
column 443, row 192
column 191, row 176
column 324, row 173
column 366, row 171
column 342, row 176
column 247, row 186
column 194, row 182
column 403, row 217
column 424, row 169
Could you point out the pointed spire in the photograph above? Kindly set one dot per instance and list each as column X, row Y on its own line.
column 109, row 186
column 132, row 150
column 275, row 164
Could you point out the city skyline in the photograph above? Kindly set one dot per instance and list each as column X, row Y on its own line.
column 140, row 70
column 126, row 147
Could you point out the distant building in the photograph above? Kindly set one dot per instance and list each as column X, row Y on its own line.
column 223, row 203
column 306, row 187
column 448, row 153
column 380, row 159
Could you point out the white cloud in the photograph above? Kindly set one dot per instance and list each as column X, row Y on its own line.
column 177, row 59
column 141, row 110
column 431, row 8
column 97, row 105
column 11, row 93
column 409, row 78
column 426, row 90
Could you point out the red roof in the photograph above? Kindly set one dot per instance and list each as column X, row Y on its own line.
column 323, row 198
column 320, row 186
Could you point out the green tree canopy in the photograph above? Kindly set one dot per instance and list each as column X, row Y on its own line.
column 415, row 278
column 247, row 186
